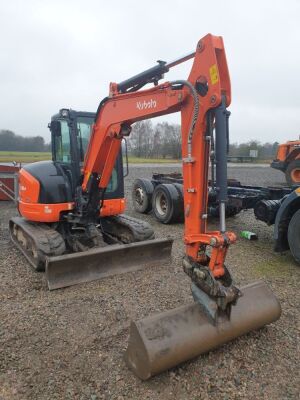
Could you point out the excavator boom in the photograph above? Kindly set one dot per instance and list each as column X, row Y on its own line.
column 202, row 100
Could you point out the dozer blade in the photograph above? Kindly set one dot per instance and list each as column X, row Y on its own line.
column 165, row 340
column 97, row 263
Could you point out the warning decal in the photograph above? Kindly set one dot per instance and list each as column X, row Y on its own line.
column 213, row 72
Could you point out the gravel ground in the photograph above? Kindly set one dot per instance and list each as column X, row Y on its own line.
column 69, row 344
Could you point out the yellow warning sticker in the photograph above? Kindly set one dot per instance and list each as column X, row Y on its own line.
column 213, row 72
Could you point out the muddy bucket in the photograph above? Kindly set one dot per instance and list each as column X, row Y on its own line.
column 165, row 340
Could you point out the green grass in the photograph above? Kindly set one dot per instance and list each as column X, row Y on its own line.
column 137, row 160
column 274, row 268
column 30, row 156
column 23, row 156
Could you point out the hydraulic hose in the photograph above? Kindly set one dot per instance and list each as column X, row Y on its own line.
column 194, row 94
column 101, row 104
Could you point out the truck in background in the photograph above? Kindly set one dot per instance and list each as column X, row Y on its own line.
column 288, row 161
column 274, row 205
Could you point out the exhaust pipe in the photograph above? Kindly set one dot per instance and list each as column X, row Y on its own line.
column 165, row 340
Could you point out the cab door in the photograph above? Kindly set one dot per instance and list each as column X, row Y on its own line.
column 64, row 150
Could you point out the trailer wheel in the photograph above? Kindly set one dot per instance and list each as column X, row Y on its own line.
column 294, row 236
column 292, row 173
column 179, row 187
column 142, row 195
column 166, row 202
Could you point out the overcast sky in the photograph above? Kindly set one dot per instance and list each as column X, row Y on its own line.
column 56, row 54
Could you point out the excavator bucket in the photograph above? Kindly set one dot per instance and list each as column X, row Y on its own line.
column 165, row 340
column 97, row 263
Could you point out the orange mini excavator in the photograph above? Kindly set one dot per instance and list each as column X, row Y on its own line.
column 221, row 311
column 50, row 230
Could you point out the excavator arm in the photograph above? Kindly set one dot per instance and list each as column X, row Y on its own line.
column 220, row 311
column 162, row 341
column 202, row 100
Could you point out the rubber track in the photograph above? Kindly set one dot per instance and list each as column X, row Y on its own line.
column 140, row 230
column 47, row 241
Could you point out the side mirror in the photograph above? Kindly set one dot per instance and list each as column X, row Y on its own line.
column 55, row 128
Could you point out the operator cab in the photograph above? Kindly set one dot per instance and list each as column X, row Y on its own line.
column 70, row 135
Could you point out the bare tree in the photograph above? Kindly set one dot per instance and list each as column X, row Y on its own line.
column 141, row 141
column 9, row 141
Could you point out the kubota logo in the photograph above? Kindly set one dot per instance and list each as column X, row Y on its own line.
column 145, row 104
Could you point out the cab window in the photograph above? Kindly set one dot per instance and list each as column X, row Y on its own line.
column 113, row 183
column 84, row 129
column 62, row 144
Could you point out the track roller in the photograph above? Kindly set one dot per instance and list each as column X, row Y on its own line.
column 36, row 241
